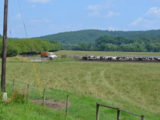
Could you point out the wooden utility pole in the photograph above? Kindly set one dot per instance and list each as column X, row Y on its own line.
column 4, row 48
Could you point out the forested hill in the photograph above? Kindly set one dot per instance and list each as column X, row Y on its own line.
column 89, row 36
column 76, row 37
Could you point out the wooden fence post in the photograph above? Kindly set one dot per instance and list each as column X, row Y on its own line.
column 44, row 91
column 142, row 117
column 118, row 114
column 97, row 111
column 27, row 92
column 67, row 100
column 13, row 85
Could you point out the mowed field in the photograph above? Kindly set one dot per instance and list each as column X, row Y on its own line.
column 130, row 86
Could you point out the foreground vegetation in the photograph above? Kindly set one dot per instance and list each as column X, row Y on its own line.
column 130, row 86
column 28, row 111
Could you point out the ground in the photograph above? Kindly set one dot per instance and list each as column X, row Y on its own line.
column 131, row 86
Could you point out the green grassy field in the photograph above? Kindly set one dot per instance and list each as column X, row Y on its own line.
column 28, row 112
column 130, row 86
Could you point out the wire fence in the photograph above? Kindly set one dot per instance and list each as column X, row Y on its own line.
column 80, row 108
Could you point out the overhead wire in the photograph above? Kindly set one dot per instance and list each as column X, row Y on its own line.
column 22, row 18
column 34, row 68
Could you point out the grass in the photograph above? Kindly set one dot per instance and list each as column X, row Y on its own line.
column 100, row 53
column 130, row 86
column 28, row 111
column 18, row 107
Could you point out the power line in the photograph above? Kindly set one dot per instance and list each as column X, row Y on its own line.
column 22, row 18
column 37, row 79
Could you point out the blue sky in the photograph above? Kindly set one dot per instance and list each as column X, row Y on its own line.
column 43, row 17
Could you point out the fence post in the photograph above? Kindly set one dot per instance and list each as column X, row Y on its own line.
column 27, row 94
column 118, row 114
column 44, row 91
column 13, row 84
column 67, row 100
column 142, row 117
column 97, row 111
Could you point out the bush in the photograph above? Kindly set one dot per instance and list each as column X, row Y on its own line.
column 19, row 97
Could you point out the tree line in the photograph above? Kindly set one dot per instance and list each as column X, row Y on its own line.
column 140, row 43
column 29, row 46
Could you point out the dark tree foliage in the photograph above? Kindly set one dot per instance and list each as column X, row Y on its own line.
column 117, row 43
column 29, row 46
column 129, row 44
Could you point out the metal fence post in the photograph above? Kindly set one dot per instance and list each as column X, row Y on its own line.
column 118, row 114
column 97, row 111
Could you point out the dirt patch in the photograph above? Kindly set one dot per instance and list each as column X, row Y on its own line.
column 51, row 104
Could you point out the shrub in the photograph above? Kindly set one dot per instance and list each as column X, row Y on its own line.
column 18, row 97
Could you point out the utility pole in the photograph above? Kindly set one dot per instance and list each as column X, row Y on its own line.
column 4, row 50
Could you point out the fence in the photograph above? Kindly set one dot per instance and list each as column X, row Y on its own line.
column 118, row 111
column 79, row 107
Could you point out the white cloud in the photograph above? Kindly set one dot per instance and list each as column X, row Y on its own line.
column 149, row 20
column 101, row 11
column 155, row 11
column 39, row 1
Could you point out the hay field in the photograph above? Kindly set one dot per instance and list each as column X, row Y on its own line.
column 131, row 86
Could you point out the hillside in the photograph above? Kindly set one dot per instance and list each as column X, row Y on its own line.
column 76, row 37
column 89, row 36
column 99, row 40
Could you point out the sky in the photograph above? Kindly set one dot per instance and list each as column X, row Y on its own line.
column 42, row 17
